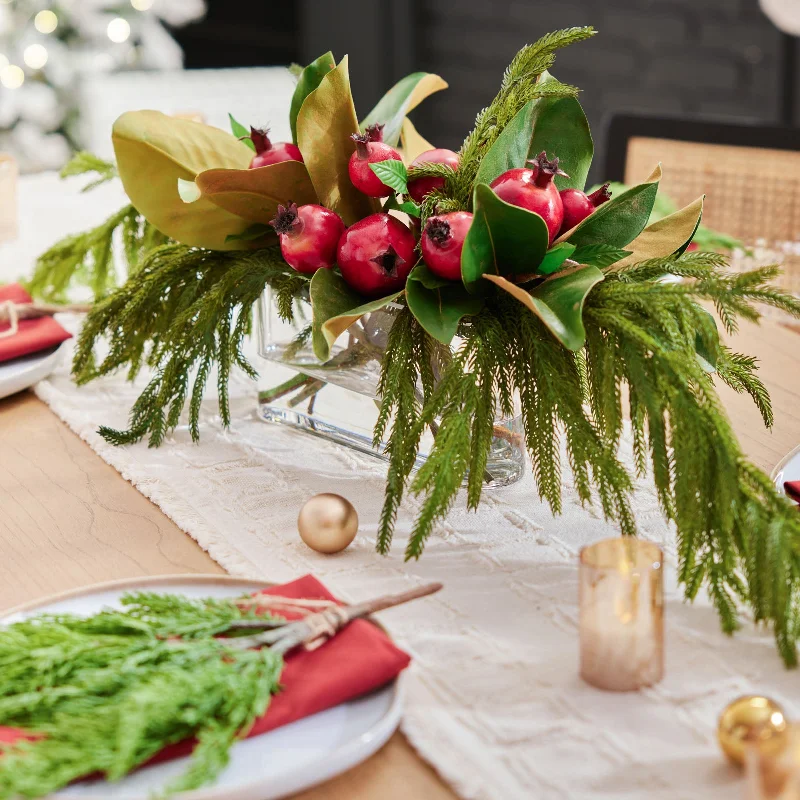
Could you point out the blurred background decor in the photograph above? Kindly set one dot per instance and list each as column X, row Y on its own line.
column 49, row 48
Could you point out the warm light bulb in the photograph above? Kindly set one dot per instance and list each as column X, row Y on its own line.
column 45, row 21
column 35, row 56
column 142, row 5
column 118, row 30
column 12, row 76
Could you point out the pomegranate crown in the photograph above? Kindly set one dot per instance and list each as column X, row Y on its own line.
column 375, row 132
column 438, row 231
column 260, row 138
column 599, row 196
column 389, row 260
column 361, row 140
column 546, row 166
column 286, row 219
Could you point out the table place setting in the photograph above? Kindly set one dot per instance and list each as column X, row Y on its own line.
column 483, row 396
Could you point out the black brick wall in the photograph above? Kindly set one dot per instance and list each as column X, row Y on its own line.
column 717, row 58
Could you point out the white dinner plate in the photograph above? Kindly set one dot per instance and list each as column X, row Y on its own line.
column 22, row 373
column 788, row 469
column 273, row 765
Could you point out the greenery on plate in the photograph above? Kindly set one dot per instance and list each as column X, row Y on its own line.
column 104, row 694
column 564, row 328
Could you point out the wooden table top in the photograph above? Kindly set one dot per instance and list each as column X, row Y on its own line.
column 68, row 519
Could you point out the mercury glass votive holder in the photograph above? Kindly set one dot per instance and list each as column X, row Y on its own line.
column 621, row 614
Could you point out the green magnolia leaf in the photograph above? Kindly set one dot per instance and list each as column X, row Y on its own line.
column 556, row 125
column 254, row 194
column 558, row 301
column 240, row 132
column 405, row 95
column 599, row 255
column 620, row 220
column 154, row 151
column 438, row 304
column 335, row 307
column 393, row 173
column 308, row 80
column 256, row 231
column 325, row 123
column 502, row 240
column 669, row 235
column 407, row 206
column 555, row 257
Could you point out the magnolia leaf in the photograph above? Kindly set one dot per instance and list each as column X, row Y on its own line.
column 325, row 123
column 667, row 236
column 393, row 173
column 335, row 307
column 556, row 125
column 188, row 191
column 599, row 255
column 555, row 257
column 407, row 206
column 620, row 220
column 406, row 94
column 438, row 304
column 502, row 240
column 254, row 194
column 308, row 80
column 154, row 151
column 412, row 144
column 256, row 231
column 241, row 133
column 558, row 301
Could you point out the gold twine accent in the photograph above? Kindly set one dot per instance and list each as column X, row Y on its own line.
column 12, row 313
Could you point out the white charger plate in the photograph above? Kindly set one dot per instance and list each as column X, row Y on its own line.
column 22, row 373
column 267, row 767
column 788, row 469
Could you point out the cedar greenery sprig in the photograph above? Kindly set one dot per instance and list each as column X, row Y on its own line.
column 183, row 312
column 108, row 692
column 87, row 259
column 735, row 532
column 520, row 84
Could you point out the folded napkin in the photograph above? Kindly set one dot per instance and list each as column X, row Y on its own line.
column 792, row 489
column 32, row 335
column 360, row 658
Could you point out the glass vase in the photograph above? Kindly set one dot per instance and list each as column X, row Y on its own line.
column 338, row 399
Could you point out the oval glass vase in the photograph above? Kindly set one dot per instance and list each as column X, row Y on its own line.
column 338, row 399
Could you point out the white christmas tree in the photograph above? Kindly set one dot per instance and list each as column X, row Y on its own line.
column 48, row 46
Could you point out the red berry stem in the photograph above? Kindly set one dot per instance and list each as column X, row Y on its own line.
column 547, row 170
column 374, row 133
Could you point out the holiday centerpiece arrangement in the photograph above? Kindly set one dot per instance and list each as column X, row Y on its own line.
column 503, row 281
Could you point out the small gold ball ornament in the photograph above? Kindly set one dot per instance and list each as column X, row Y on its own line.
column 327, row 523
column 756, row 721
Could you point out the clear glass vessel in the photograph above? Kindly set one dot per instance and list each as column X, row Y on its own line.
column 338, row 399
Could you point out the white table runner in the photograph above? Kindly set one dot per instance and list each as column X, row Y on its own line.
column 494, row 700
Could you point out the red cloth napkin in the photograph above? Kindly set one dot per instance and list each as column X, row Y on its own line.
column 354, row 662
column 33, row 335
column 792, row 489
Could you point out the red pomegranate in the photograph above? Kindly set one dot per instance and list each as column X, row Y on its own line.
column 309, row 236
column 419, row 187
column 442, row 242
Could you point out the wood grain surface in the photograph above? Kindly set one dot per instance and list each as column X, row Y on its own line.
column 67, row 519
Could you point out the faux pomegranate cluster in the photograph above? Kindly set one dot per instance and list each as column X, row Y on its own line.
column 376, row 254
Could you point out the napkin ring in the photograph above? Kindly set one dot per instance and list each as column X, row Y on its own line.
column 13, row 318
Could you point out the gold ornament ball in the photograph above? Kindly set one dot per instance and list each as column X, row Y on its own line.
column 327, row 523
column 756, row 721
